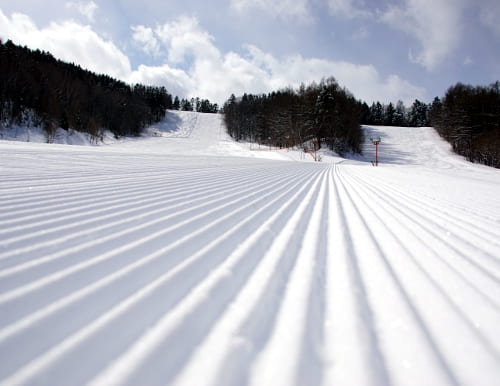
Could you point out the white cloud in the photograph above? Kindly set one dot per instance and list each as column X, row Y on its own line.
column 68, row 41
column 144, row 37
column 176, row 81
column 211, row 73
column 436, row 24
column 297, row 9
column 215, row 75
column 184, row 37
column 363, row 81
column 349, row 8
column 87, row 9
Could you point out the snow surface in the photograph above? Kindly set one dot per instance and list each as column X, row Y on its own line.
column 185, row 258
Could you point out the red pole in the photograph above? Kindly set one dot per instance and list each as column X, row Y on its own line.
column 376, row 151
column 315, row 144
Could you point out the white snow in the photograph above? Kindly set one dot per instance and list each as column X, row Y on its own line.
column 183, row 257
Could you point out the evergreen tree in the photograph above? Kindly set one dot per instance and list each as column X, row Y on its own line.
column 324, row 112
column 435, row 112
column 389, row 115
column 326, row 120
column 364, row 113
column 469, row 118
column 377, row 113
column 400, row 114
column 58, row 94
column 186, row 105
column 418, row 114
column 177, row 104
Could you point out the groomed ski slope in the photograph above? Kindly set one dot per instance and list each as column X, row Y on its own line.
column 185, row 258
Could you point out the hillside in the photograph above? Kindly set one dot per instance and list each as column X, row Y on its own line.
column 183, row 257
column 38, row 90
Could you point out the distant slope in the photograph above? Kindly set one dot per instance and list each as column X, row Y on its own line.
column 193, row 134
column 410, row 146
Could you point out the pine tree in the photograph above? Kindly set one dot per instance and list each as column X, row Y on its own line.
column 400, row 114
column 186, row 105
column 177, row 104
column 377, row 113
column 389, row 115
column 418, row 114
column 435, row 112
column 325, row 115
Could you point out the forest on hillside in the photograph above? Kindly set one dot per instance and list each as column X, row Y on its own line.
column 418, row 115
column 468, row 118
column 324, row 112
column 37, row 89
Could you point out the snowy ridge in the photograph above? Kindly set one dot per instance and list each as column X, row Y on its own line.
column 136, row 263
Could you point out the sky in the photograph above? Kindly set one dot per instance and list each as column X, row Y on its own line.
column 379, row 50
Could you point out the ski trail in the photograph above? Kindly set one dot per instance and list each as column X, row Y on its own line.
column 106, row 280
column 439, row 212
column 138, row 353
column 221, row 187
column 386, row 204
column 485, row 351
column 57, row 352
column 402, row 313
column 375, row 365
column 344, row 362
column 213, row 205
column 224, row 334
column 186, row 259
column 289, row 329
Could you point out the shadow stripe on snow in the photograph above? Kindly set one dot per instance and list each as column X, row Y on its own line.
column 64, row 346
column 475, row 227
column 164, row 330
column 426, row 223
column 190, row 215
column 388, row 204
column 461, row 317
column 198, row 194
column 352, row 221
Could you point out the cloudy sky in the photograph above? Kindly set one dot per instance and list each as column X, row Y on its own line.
column 379, row 50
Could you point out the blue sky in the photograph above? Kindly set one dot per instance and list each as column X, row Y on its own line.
column 379, row 50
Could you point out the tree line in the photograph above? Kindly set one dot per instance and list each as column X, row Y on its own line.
column 417, row 115
column 469, row 119
column 324, row 112
column 38, row 90
column 195, row 104
column 52, row 93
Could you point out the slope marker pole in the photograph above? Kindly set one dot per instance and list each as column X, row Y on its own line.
column 376, row 142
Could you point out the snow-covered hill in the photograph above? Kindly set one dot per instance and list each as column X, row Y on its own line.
column 186, row 258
